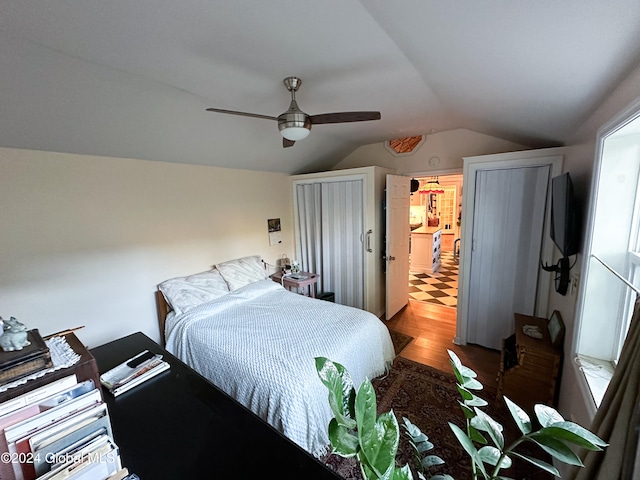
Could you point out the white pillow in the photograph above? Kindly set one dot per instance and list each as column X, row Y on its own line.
column 184, row 293
column 242, row 271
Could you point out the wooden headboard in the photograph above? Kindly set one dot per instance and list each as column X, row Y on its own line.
column 163, row 310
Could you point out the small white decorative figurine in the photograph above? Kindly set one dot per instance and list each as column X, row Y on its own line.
column 14, row 335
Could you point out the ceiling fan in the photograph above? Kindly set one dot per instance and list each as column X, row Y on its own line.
column 294, row 124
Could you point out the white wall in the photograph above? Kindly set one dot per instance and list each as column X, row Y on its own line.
column 449, row 146
column 84, row 240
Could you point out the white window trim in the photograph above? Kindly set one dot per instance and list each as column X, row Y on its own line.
column 597, row 374
column 594, row 374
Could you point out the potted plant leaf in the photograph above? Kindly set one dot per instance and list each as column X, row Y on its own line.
column 357, row 430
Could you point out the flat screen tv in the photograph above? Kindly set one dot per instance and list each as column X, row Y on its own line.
column 565, row 225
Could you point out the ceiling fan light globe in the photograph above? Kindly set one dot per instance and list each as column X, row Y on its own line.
column 294, row 133
column 294, row 124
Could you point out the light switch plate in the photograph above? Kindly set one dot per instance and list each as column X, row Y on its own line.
column 575, row 281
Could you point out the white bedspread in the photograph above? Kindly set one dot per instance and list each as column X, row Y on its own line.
column 258, row 345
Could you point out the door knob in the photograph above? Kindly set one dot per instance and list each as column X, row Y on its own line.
column 389, row 258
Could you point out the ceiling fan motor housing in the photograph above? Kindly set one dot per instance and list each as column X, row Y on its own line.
column 294, row 124
column 291, row 119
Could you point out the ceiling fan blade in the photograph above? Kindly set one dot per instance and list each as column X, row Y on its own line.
column 244, row 114
column 287, row 143
column 344, row 117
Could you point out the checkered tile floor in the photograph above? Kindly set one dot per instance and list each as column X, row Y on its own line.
column 441, row 287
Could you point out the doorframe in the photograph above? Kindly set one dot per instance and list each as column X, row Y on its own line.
column 444, row 173
column 373, row 193
column 552, row 157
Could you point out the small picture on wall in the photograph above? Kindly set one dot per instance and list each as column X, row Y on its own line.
column 275, row 234
column 274, row 224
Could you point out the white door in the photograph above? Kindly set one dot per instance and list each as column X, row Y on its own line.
column 504, row 237
column 330, row 226
column 506, row 241
column 397, row 234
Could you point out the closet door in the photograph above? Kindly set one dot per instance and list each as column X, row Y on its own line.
column 506, row 243
column 309, row 197
column 331, row 222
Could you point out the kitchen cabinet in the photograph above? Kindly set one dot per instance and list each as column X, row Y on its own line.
column 426, row 249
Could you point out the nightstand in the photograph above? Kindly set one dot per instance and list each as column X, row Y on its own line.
column 298, row 283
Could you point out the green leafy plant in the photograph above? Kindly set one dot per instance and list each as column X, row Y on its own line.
column 358, row 431
column 420, row 444
column 555, row 436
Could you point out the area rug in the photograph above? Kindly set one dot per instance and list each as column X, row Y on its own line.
column 400, row 340
column 429, row 399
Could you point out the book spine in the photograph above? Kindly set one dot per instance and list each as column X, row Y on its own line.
column 123, row 373
column 48, row 417
column 38, row 394
column 141, row 379
column 140, row 371
column 25, row 368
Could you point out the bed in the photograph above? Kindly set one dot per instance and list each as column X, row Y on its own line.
column 257, row 341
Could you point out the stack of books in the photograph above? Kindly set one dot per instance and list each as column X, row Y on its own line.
column 31, row 359
column 133, row 372
column 61, row 430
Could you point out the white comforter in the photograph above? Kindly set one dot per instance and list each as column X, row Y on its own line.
column 258, row 345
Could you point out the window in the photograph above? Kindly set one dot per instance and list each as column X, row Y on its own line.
column 612, row 253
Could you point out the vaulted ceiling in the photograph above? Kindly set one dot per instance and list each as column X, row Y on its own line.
column 133, row 78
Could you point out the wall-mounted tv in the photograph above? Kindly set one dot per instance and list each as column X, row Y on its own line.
column 565, row 224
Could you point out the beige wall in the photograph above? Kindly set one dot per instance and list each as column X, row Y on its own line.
column 449, row 147
column 84, row 240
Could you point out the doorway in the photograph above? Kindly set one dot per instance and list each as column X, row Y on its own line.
column 510, row 271
column 510, row 210
column 435, row 206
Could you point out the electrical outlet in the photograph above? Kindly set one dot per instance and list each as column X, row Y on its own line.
column 575, row 280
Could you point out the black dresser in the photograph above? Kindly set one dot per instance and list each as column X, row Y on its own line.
column 178, row 425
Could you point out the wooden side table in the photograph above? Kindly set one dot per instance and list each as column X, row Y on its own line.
column 301, row 283
column 86, row 368
column 530, row 367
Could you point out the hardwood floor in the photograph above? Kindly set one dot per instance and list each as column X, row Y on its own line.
column 433, row 328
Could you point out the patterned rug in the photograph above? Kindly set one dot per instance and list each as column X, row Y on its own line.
column 429, row 398
column 400, row 340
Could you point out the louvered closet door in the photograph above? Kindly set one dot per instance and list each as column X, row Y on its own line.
column 331, row 222
column 309, row 198
column 507, row 238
